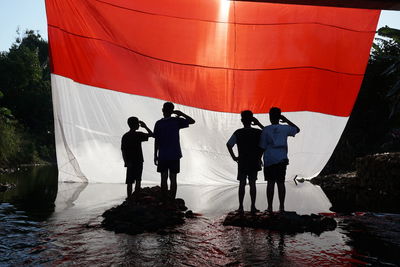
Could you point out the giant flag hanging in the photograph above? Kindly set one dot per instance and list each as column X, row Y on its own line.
column 112, row 59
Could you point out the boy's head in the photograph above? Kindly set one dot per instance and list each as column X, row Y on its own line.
column 247, row 117
column 167, row 109
column 133, row 123
column 274, row 115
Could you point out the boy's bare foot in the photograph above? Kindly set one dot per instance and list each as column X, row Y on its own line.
column 269, row 210
column 254, row 210
column 240, row 210
column 281, row 209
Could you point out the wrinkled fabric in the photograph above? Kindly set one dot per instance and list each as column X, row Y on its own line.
column 112, row 59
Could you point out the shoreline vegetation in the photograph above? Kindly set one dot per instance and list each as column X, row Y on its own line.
column 27, row 128
column 8, row 170
column 373, row 187
column 26, row 112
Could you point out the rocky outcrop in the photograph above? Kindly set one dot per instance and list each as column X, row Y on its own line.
column 380, row 172
column 146, row 212
column 5, row 187
column 373, row 187
column 288, row 222
column 8, row 170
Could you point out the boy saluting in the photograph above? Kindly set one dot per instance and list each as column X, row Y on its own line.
column 167, row 148
column 274, row 141
column 249, row 158
column 131, row 146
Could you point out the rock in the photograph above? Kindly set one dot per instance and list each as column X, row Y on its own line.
column 146, row 211
column 181, row 204
column 189, row 214
column 289, row 222
column 5, row 187
column 379, row 171
column 373, row 187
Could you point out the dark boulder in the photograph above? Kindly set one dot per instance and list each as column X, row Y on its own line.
column 5, row 187
column 288, row 222
column 373, row 187
column 146, row 211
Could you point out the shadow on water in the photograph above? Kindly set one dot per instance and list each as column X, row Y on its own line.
column 46, row 223
column 34, row 191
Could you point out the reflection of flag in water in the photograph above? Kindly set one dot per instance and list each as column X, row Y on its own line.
column 112, row 59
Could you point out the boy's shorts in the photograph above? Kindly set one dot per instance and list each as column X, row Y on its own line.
column 134, row 173
column 275, row 172
column 251, row 175
column 171, row 165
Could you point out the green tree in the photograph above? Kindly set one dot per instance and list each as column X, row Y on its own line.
column 10, row 139
column 387, row 51
column 374, row 122
column 25, row 82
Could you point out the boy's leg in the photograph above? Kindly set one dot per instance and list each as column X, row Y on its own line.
column 268, row 174
column 137, row 186
column 242, row 187
column 173, row 187
column 253, row 194
column 270, row 194
column 174, row 169
column 162, row 168
column 280, row 180
column 138, row 177
column 164, row 182
column 129, row 180
column 281, row 194
column 128, row 189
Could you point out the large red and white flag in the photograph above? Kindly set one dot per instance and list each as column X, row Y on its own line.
column 112, row 59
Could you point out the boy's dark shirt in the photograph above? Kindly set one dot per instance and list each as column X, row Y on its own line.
column 131, row 146
column 166, row 134
column 247, row 140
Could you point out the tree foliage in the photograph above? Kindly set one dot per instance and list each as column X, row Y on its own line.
column 374, row 124
column 26, row 107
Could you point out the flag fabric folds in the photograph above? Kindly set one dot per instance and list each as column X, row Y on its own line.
column 112, row 59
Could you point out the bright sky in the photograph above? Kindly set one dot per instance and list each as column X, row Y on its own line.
column 31, row 14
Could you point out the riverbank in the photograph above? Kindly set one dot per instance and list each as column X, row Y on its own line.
column 374, row 186
column 21, row 167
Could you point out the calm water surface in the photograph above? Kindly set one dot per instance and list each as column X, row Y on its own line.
column 43, row 222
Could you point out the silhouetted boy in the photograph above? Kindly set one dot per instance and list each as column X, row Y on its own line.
column 131, row 146
column 274, row 141
column 249, row 158
column 167, row 148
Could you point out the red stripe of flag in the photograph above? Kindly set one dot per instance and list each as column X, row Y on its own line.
column 298, row 58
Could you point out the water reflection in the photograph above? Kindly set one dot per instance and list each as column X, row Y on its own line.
column 69, row 233
column 304, row 198
column 35, row 190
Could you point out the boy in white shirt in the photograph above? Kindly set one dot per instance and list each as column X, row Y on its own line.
column 274, row 142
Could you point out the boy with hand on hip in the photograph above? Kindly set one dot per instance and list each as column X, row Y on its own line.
column 249, row 158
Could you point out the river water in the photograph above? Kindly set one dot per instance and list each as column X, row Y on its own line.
column 43, row 222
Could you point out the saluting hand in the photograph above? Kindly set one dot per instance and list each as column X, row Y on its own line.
column 177, row 112
column 254, row 121
column 142, row 124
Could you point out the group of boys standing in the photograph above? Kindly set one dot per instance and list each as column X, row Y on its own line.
column 271, row 141
column 167, row 148
column 252, row 143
